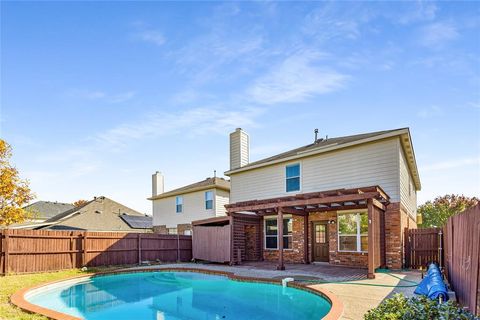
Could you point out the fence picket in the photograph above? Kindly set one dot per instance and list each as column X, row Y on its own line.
column 462, row 256
column 26, row 251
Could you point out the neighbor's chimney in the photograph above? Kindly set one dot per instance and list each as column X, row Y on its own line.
column 239, row 149
column 157, row 183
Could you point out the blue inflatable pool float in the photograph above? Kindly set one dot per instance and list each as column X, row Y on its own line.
column 432, row 284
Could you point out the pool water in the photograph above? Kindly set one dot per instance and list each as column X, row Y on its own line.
column 178, row 295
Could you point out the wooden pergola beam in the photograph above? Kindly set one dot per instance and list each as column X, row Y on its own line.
column 302, row 202
column 378, row 204
column 294, row 211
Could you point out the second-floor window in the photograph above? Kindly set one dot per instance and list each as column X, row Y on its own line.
column 292, row 177
column 209, row 200
column 179, row 204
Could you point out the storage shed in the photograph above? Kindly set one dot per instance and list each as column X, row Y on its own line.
column 212, row 239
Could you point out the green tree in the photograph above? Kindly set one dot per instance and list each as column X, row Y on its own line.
column 436, row 213
column 14, row 192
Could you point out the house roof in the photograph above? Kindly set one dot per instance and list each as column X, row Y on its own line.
column 99, row 214
column 67, row 213
column 209, row 183
column 330, row 144
column 47, row 209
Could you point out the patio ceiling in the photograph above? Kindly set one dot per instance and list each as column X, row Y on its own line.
column 303, row 204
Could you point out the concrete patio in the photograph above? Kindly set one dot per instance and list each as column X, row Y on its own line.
column 350, row 285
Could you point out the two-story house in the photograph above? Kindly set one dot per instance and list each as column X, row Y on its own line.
column 174, row 211
column 343, row 200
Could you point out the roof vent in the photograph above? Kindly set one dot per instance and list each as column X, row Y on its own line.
column 316, row 137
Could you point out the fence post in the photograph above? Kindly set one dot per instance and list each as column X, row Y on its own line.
column 178, row 247
column 84, row 253
column 5, row 259
column 440, row 248
column 139, row 248
column 407, row 248
column 1, row 253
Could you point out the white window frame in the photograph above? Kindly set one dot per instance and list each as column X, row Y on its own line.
column 176, row 204
column 271, row 236
column 358, row 234
column 299, row 177
column 213, row 197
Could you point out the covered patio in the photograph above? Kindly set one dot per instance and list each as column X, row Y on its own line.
column 248, row 243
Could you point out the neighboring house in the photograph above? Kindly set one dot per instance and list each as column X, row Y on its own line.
column 344, row 200
column 99, row 214
column 40, row 211
column 174, row 211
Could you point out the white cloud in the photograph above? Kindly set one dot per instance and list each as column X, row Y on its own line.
column 296, row 79
column 330, row 21
column 102, row 95
column 422, row 11
column 206, row 57
column 475, row 105
column 198, row 121
column 437, row 34
column 427, row 113
column 453, row 163
column 151, row 36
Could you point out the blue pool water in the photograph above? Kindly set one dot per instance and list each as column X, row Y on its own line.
column 178, row 295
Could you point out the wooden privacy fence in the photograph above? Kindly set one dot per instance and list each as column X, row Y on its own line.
column 422, row 246
column 24, row 251
column 462, row 256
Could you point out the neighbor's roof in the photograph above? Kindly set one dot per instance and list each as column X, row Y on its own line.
column 209, row 183
column 330, row 144
column 68, row 212
column 72, row 211
column 47, row 209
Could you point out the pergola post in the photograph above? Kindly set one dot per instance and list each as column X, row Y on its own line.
column 280, row 265
column 305, row 235
column 371, row 239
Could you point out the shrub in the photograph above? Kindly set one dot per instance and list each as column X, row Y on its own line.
column 401, row 308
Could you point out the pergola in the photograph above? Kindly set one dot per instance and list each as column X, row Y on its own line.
column 373, row 198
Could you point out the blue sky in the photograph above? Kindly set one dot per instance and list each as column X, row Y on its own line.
column 96, row 96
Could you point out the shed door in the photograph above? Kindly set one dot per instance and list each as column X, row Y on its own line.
column 320, row 241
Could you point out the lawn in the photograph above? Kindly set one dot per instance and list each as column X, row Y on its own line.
column 12, row 283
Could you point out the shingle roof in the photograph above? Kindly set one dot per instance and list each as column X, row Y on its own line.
column 68, row 212
column 47, row 209
column 321, row 143
column 324, row 145
column 219, row 183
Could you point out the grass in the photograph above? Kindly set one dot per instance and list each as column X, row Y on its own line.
column 12, row 283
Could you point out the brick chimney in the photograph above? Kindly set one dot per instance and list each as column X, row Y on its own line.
column 239, row 149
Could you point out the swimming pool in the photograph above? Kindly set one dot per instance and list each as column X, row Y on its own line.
column 177, row 295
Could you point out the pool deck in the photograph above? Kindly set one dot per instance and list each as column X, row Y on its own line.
column 358, row 296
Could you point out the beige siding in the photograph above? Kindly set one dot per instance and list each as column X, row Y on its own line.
column 221, row 199
column 164, row 212
column 408, row 194
column 239, row 149
column 360, row 166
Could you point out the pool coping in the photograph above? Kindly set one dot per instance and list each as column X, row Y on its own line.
column 18, row 298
